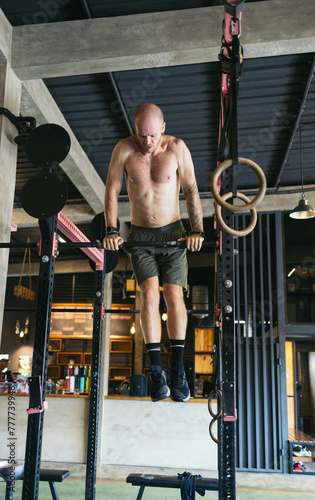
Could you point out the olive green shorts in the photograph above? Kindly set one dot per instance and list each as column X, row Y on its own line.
column 169, row 263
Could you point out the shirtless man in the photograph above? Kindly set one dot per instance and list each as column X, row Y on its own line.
column 155, row 167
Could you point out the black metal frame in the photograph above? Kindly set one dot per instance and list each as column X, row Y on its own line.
column 98, row 312
column 282, row 333
column 38, row 379
column 230, row 65
column 40, row 359
column 227, row 370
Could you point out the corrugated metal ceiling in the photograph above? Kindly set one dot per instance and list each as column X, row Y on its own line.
column 270, row 94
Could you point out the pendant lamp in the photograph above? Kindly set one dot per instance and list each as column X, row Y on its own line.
column 302, row 210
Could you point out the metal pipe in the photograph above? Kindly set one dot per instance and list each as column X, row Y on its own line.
column 256, row 371
column 297, row 122
column 107, row 311
column 111, row 76
column 264, row 354
column 18, row 245
column 116, row 89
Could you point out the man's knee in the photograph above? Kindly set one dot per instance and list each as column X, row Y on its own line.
column 149, row 292
column 173, row 294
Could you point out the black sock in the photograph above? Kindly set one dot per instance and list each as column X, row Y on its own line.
column 154, row 351
column 177, row 347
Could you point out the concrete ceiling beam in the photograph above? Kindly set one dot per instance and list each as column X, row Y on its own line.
column 158, row 39
column 270, row 203
column 83, row 214
column 5, row 38
column 77, row 213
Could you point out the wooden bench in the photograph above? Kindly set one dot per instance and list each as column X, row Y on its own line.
column 161, row 481
column 52, row 476
column 299, row 437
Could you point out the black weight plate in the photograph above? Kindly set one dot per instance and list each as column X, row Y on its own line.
column 112, row 259
column 44, row 195
column 98, row 226
column 47, row 145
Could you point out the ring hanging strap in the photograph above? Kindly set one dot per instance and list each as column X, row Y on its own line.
column 231, row 60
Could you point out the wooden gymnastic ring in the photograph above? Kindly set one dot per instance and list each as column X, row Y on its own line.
column 240, row 232
column 251, row 203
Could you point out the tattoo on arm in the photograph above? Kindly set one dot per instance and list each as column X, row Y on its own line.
column 193, row 207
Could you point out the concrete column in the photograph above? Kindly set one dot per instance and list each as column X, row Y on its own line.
column 311, row 367
column 105, row 353
column 10, row 96
column 138, row 339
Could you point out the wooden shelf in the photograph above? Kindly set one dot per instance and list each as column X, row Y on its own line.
column 63, row 358
column 81, row 396
column 55, row 345
column 119, row 372
column 121, row 346
column 73, row 337
column 53, row 371
column 298, row 436
column 87, row 358
column 74, row 322
column 204, row 339
column 203, row 364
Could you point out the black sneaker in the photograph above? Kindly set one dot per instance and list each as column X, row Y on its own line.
column 179, row 386
column 159, row 387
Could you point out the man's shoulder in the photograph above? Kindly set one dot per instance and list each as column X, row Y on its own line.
column 127, row 144
column 174, row 143
column 124, row 148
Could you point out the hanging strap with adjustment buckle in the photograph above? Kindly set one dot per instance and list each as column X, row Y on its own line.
column 231, row 60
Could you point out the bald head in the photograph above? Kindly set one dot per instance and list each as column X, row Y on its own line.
column 148, row 111
column 150, row 126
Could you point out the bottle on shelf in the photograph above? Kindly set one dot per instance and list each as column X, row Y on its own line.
column 72, row 383
column 50, row 386
column 82, row 380
column 77, row 380
column 67, row 384
column 60, row 386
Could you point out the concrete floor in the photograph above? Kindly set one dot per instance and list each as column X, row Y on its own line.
column 111, row 484
column 245, row 480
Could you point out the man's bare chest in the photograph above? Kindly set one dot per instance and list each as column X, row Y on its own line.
column 159, row 169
